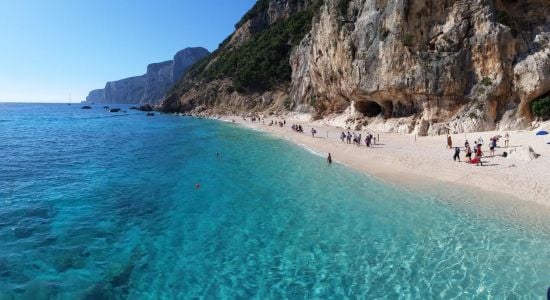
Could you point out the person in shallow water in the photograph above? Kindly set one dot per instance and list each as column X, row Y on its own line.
column 329, row 159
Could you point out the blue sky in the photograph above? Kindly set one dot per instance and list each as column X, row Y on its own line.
column 52, row 48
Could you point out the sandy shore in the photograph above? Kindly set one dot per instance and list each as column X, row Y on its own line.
column 402, row 158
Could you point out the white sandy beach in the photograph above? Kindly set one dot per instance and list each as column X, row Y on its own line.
column 401, row 158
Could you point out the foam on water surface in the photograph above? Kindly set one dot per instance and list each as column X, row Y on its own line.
column 98, row 207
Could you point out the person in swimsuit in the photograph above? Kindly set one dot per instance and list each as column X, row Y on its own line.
column 329, row 159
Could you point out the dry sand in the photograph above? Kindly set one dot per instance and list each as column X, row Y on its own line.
column 402, row 158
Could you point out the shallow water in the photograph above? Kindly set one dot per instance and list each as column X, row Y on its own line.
column 101, row 205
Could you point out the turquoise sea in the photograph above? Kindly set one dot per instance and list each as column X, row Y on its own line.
column 99, row 205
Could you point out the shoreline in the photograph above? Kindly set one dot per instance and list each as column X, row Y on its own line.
column 399, row 159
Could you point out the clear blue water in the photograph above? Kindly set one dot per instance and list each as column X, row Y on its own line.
column 97, row 205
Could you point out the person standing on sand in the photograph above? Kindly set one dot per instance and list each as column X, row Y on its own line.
column 449, row 141
column 469, row 152
column 492, row 145
column 506, row 140
column 313, row 132
column 343, row 136
column 479, row 154
column 329, row 159
column 457, row 154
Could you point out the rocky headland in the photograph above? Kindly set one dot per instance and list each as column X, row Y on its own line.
column 153, row 85
column 424, row 67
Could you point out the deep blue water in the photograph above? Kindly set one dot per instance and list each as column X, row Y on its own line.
column 98, row 205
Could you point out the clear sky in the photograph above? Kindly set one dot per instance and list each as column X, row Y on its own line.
column 52, row 48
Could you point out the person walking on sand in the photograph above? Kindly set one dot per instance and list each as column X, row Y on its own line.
column 348, row 138
column 449, row 141
column 343, row 136
column 313, row 132
column 329, row 159
column 492, row 145
column 506, row 140
column 457, row 154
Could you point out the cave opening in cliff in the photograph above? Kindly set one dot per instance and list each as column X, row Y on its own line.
column 368, row 108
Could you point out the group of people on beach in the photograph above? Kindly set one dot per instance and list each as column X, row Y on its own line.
column 476, row 150
column 357, row 138
column 297, row 128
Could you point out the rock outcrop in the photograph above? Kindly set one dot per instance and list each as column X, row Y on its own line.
column 424, row 66
column 96, row 96
column 153, row 85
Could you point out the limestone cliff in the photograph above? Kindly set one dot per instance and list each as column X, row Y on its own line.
column 96, row 96
column 424, row 66
column 153, row 85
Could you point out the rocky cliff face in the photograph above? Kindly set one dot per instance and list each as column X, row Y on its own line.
column 96, row 96
column 153, row 85
column 424, row 66
column 129, row 90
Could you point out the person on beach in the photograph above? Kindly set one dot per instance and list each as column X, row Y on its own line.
column 359, row 140
column 480, row 141
column 348, row 137
column 457, row 154
column 329, row 159
column 466, row 144
column 506, row 140
column 313, row 132
column 479, row 155
column 469, row 152
column 449, row 142
column 492, row 146
column 343, row 136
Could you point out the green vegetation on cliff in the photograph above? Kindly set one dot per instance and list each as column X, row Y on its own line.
column 263, row 61
column 541, row 107
column 260, row 62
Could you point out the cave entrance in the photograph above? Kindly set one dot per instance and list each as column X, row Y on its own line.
column 368, row 108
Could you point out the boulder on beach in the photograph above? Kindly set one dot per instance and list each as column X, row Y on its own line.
column 525, row 153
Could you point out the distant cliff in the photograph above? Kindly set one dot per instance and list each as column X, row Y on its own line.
column 153, row 85
column 424, row 66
